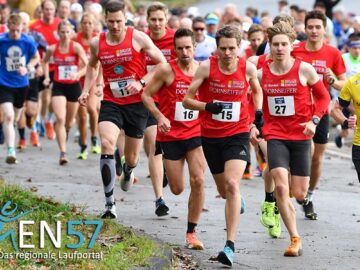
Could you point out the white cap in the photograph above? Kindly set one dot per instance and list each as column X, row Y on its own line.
column 96, row 7
column 246, row 26
column 193, row 12
column 76, row 7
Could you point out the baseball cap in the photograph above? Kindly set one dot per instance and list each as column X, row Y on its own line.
column 212, row 19
column 76, row 7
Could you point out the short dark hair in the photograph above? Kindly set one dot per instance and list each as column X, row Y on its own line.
column 114, row 6
column 354, row 37
column 228, row 31
column 198, row 19
column 44, row 1
column 314, row 14
column 184, row 32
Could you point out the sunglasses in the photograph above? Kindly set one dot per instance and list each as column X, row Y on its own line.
column 199, row 29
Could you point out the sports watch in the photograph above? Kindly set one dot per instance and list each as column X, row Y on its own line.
column 315, row 120
column 142, row 82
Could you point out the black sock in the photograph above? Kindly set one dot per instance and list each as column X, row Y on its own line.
column 93, row 140
column 247, row 168
column 191, row 227
column 231, row 245
column 269, row 197
column 128, row 169
column 22, row 133
column 82, row 147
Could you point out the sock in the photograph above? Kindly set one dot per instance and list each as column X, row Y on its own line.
column 62, row 154
column 49, row 117
column 83, row 148
column 107, row 169
column 191, row 227
column 93, row 140
column 231, row 245
column 269, row 197
column 310, row 195
column 22, row 133
column 128, row 170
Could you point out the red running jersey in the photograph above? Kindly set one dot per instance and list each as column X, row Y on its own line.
column 86, row 47
column 326, row 57
column 121, row 64
column 185, row 123
column 286, row 105
column 231, row 90
column 65, row 64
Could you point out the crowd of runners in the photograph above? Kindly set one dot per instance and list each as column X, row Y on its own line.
column 209, row 90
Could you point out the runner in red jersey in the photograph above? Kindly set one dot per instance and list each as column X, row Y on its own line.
column 179, row 128
column 84, row 37
column 66, row 87
column 163, row 38
column 47, row 26
column 294, row 101
column 222, row 83
column 329, row 65
column 256, row 37
column 121, row 52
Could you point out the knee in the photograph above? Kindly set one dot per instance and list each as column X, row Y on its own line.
column 282, row 191
column 176, row 190
column 222, row 192
column 232, row 186
column 60, row 120
column 197, row 183
column 91, row 110
column 107, row 145
column 9, row 117
column 299, row 193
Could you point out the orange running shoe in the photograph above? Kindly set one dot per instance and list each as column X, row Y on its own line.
column 50, row 132
column 295, row 248
column 248, row 173
column 34, row 139
column 192, row 242
column 21, row 145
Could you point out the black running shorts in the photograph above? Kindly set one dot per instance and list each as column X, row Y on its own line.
column 356, row 159
column 176, row 150
column 16, row 96
column 71, row 91
column 295, row 155
column 322, row 130
column 219, row 150
column 131, row 118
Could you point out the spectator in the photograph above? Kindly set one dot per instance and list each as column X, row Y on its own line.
column 174, row 22
column 205, row 45
column 329, row 4
column 186, row 23
column 212, row 24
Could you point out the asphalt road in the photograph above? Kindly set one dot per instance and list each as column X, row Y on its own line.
column 331, row 242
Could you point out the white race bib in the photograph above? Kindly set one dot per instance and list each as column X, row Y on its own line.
column 281, row 106
column 118, row 88
column 66, row 71
column 184, row 115
column 230, row 113
column 13, row 63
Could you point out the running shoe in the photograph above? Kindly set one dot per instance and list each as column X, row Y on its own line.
column 34, row 139
column 126, row 181
column 82, row 155
column 160, row 207
column 275, row 231
column 295, row 248
column 258, row 172
column 110, row 211
column 243, row 206
column 267, row 214
column 11, row 156
column 2, row 137
column 248, row 173
column 63, row 160
column 192, row 242
column 226, row 256
column 40, row 129
column 21, row 145
column 50, row 132
column 95, row 149
column 339, row 141
column 309, row 211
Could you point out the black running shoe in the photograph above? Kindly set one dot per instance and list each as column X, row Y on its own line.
column 339, row 141
column 160, row 207
column 309, row 211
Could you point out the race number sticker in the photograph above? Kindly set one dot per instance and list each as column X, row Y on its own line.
column 184, row 115
column 14, row 60
column 118, row 88
column 281, row 106
column 230, row 112
column 66, row 71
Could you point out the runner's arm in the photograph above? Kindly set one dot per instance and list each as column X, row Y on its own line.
column 202, row 73
column 83, row 59
column 251, row 74
column 45, row 64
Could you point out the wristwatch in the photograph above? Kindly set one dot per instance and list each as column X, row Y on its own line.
column 315, row 120
column 142, row 82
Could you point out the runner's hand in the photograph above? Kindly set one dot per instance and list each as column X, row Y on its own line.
column 255, row 137
column 352, row 121
column 134, row 88
column 22, row 71
column 83, row 98
column 214, row 107
column 309, row 128
column 46, row 82
column 163, row 124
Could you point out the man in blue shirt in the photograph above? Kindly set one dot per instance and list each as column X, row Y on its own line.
column 18, row 55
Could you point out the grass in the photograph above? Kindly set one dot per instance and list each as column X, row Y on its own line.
column 121, row 248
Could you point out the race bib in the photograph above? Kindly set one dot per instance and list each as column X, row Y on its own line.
column 230, row 112
column 13, row 63
column 118, row 88
column 281, row 106
column 184, row 115
column 66, row 71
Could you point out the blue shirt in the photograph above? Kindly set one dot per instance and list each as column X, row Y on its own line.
column 14, row 54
